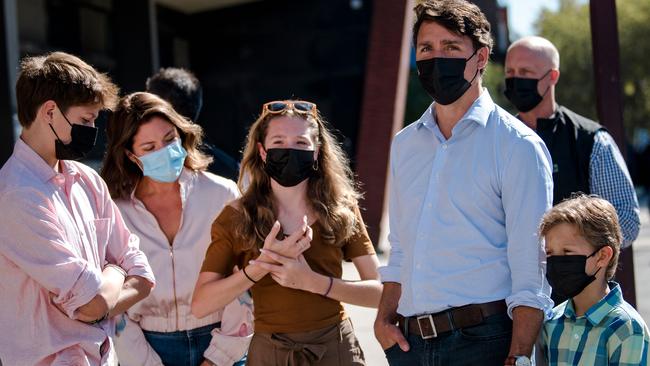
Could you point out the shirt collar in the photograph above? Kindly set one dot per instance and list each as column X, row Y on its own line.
column 478, row 112
column 599, row 311
column 26, row 155
column 551, row 121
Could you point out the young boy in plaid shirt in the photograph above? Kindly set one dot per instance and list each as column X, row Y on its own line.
column 595, row 326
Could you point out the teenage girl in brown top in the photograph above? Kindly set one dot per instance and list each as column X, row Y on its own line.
column 296, row 221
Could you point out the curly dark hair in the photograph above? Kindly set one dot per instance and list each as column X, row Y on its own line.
column 458, row 16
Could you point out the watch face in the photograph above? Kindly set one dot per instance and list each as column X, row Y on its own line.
column 522, row 361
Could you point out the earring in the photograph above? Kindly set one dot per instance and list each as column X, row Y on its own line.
column 315, row 165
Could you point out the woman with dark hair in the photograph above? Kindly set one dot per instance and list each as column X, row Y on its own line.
column 156, row 175
column 297, row 220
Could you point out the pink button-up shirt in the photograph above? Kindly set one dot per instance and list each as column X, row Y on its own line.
column 57, row 231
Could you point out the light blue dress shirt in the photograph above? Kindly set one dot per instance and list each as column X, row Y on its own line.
column 464, row 212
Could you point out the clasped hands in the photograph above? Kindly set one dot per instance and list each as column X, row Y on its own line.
column 283, row 259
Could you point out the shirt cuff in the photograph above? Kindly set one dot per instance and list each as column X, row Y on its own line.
column 225, row 349
column 526, row 298
column 142, row 272
column 84, row 290
column 390, row 274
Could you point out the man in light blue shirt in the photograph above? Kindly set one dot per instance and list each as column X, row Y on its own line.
column 469, row 185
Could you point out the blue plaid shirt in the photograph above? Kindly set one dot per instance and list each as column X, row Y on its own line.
column 609, row 178
column 610, row 333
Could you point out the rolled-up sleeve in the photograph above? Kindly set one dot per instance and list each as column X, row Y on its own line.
column 230, row 343
column 123, row 247
column 392, row 271
column 32, row 237
column 527, row 194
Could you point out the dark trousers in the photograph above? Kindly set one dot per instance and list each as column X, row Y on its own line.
column 486, row 344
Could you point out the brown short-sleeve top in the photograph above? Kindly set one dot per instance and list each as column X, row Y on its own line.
column 280, row 309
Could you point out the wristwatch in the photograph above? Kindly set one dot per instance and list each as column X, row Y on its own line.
column 522, row 361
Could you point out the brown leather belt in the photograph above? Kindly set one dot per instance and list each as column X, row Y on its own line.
column 431, row 325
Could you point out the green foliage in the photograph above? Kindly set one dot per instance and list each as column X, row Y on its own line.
column 569, row 29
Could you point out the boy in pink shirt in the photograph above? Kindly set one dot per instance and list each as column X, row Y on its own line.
column 68, row 263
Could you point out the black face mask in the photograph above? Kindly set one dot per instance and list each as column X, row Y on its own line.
column 289, row 167
column 83, row 140
column 566, row 275
column 522, row 92
column 444, row 78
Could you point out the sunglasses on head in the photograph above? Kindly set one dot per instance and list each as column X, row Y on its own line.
column 280, row 106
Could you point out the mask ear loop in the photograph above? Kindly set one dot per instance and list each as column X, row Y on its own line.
column 591, row 255
column 547, row 88
column 66, row 118
column 55, row 134
column 477, row 69
column 52, row 127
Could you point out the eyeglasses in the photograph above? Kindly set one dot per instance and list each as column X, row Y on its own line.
column 280, row 106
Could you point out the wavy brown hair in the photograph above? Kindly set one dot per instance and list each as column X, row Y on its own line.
column 132, row 111
column 330, row 190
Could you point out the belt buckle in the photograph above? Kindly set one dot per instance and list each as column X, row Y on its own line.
column 434, row 334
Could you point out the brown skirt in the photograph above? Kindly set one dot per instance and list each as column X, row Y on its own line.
column 330, row 346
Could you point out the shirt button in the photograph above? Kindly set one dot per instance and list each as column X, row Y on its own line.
column 444, row 146
column 576, row 336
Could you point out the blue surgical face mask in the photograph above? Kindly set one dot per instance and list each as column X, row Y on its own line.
column 164, row 165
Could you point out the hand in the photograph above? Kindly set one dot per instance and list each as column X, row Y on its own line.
column 291, row 246
column 291, row 272
column 510, row 361
column 388, row 334
column 207, row 363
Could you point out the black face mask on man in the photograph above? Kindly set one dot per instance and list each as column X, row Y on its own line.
column 566, row 274
column 289, row 167
column 444, row 78
column 83, row 140
column 522, row 92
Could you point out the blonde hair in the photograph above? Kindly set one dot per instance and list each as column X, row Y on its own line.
column 132, row 111
column 331, row 191
column 595, row 219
